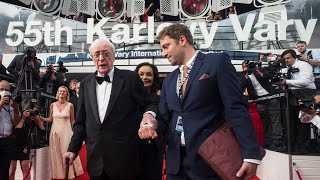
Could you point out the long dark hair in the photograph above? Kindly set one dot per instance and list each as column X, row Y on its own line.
column 156, row 80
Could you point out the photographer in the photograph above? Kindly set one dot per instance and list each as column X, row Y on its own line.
column 299, row 73
column 62, row 71
column 27, row 62
column 300, row 82
column 29, row 121
column 311, row 57
column 9, row 118
column 256, row 81
column 51, row 80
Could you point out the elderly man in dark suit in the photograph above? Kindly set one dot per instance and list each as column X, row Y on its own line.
column 107, row 117
column 196, row 98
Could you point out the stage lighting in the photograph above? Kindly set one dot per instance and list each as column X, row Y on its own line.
column 194, row 9
column 242, row 1
column 86, row 7
column 113, row 9
column 273, row 13
column 265, row 3
column 169, row 7
column 70, row 7
column 217, row 5
column 48, row 7
column 135, row 8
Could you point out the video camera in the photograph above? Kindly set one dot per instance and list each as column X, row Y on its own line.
column 50, row 69
column 61, row 68
column 252, row 65
column 34, row 112
column 29, row 54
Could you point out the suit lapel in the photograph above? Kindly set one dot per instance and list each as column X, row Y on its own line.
column 93, row 97
column 194, row 71
column 173, row 86
column 117, row 83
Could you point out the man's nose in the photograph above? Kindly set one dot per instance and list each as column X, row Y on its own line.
column 164, row 54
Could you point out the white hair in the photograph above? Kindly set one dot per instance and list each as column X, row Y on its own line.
column 104, row 41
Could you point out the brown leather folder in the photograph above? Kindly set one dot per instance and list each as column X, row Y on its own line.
column 221, row 151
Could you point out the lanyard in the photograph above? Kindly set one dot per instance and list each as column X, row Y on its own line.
column 184, row 79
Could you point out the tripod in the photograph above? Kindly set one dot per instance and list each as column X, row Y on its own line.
column 27, row 92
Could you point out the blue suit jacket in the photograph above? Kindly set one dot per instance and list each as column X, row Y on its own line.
column 206, row 105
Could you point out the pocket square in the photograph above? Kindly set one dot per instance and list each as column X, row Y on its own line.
column 204, row 76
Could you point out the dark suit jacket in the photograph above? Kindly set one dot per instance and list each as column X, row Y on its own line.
column 113, row 145
column 206, row 105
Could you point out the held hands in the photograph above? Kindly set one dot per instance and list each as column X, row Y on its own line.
column 148, row 127
column 68, row 155
column 247, row 170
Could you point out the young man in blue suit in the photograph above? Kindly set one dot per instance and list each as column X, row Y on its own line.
column 195, row 101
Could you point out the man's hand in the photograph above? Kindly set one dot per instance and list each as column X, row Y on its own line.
column 248, row 170
column 71, row 157
column 148, row 127
column 283, row 81
column 147, row 132
column 53, row 77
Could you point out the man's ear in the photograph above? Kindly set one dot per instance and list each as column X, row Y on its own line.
column 183, row 40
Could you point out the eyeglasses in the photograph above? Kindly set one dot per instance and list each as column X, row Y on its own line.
column 97, row 55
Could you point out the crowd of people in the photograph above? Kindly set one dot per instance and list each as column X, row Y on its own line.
column 130, row 123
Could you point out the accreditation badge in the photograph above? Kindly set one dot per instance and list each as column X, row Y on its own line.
column 179, row 125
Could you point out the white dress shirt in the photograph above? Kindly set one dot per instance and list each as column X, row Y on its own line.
column 302, row 79
column 181, row 71
column 6, row 125
column 103, row 95
column 260, row 91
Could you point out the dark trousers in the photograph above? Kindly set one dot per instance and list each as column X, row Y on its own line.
column 270, row 115
column 6, row 145
column 104, row 176
column 185, row 173
column 299, row 132
column 151, row 159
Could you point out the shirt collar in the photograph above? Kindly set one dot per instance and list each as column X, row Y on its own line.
column 188, row 63
column 110, row 74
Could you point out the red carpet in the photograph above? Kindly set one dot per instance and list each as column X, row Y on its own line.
column 83, row 158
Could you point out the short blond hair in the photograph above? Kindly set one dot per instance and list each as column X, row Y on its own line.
column 68, row 95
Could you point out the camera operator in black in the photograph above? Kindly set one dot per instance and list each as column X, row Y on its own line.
column 62, row 71
column 29, row 121
column 300, row 82
column 256, row 80
column 26, row 62
column 9, row 118
column 52, row 80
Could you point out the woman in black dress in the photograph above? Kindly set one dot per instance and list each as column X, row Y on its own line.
column 152, row 152
column 29, row 121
